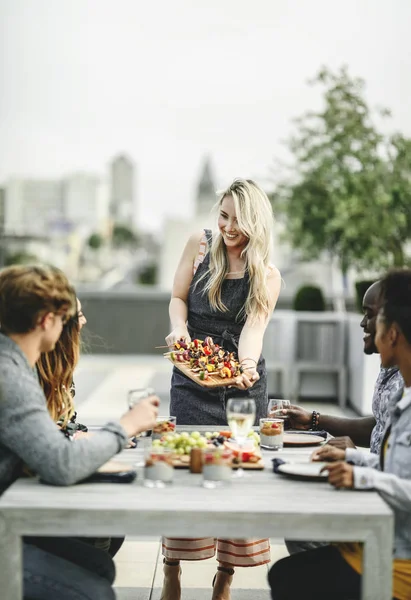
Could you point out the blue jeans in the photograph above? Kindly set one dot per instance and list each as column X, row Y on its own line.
column 48, row 576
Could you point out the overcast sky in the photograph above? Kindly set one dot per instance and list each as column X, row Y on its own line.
column 170, row 81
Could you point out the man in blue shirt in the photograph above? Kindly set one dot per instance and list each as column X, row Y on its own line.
column 361, row 431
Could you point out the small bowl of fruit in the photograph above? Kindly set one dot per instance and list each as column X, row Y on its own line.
column 163, row 426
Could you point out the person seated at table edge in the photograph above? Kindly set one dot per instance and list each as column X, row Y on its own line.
column 361, row 431
column 35, row 303
column 56, row 376
column 339, row 566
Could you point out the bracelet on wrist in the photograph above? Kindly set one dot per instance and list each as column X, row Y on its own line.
column 248, row 358
column 315, row 420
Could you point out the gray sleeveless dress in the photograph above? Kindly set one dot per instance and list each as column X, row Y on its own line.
column 191, row 403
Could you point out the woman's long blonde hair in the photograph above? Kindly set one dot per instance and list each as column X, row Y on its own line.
column 56, row 370
column 255, row 220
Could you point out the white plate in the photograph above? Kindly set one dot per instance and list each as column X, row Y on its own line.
column 302, row 439
column 310, row 470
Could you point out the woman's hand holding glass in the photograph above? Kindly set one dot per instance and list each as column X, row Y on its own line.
column 141, row 416
column 177, row 334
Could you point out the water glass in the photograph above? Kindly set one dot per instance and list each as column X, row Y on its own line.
column 217, row 466
column 158, row 469
column 134, row 397
column 272, row 433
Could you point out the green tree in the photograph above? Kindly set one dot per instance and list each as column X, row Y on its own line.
column 123, row 236
column 148, row 275
column 95, row 241
column 399, row 219
column 349, row 190
column 20, row 258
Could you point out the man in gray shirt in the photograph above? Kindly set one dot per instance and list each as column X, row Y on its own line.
column 35, row 303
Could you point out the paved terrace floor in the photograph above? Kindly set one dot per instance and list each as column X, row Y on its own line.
column 102, row 383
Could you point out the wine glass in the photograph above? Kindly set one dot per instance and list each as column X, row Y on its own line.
column 275, row 409
column 240, row 417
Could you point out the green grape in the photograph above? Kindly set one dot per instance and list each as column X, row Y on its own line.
column 195, row 435
column 184, row 434
column 156, row 443
column 208, row 435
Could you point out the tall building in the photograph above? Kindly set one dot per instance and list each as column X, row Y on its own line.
column 122, row 190
column 84, row 205
column 176, row 231
column 31, row 204
column 206, row 192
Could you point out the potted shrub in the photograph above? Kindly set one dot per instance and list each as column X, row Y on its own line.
column 309, row 298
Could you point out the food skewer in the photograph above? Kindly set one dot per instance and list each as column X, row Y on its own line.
column 205, row 361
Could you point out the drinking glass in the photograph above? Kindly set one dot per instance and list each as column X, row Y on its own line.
column 158, row 468
column 272, row 433
column 240, row 417
column 275, row 408
column 217, row 465
column 134, row 397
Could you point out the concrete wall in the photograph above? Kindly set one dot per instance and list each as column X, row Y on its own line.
column 135, row 321
column 125, row 322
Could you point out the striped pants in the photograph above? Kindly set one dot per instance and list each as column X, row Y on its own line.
column 235, row 553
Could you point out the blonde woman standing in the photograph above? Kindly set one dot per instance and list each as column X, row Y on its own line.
column 224, row 287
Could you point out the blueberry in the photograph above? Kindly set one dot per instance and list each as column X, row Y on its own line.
column 221, row 439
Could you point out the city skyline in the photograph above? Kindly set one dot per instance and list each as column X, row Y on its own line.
column 171, row 83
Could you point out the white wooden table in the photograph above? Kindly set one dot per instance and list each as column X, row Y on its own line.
column 261, row 505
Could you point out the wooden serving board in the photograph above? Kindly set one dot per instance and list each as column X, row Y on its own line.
column 213, row 381
column 249, row 466
column 184, row 463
